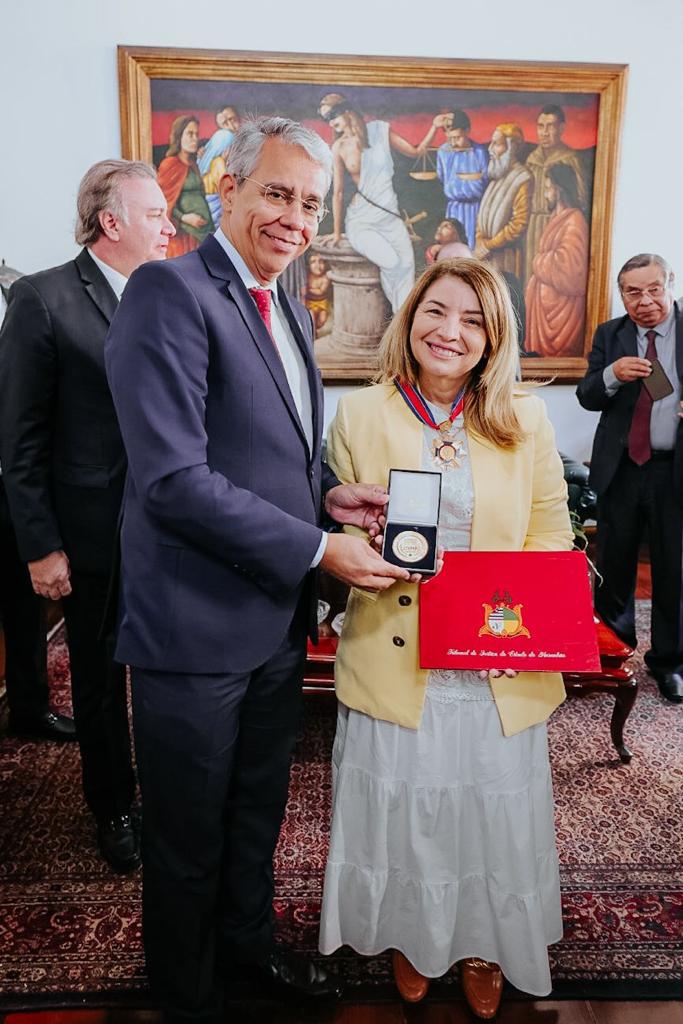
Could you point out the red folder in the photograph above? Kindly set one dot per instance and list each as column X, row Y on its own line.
column 530, row 610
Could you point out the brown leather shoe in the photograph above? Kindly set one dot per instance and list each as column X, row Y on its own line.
column 412, row 985
column 482, row 984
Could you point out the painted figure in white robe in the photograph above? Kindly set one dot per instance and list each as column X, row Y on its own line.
column 373, row 224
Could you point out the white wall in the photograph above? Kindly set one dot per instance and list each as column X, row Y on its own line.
column 60, row 98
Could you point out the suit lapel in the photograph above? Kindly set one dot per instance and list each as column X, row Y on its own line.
column 627, row 337
column 678, row 321
column 96, row 285
column 219, row 266
column 678, row 446
column 295, row 326
column 306, row 348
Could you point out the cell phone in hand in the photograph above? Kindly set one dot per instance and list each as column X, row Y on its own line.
column 658, row 384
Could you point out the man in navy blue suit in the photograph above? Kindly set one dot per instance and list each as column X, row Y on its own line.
column 220, row 404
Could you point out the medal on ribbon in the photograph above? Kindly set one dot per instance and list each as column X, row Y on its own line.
column 445, row 447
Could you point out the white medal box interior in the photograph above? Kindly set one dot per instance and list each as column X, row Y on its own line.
column 410, row 534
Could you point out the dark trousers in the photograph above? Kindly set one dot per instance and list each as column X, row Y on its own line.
column 24, row 626
column 98, row 686
column 640, row 498
column 214, row 754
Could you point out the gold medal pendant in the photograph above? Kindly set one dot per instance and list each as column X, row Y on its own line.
column 447, row 452
column 445, row 448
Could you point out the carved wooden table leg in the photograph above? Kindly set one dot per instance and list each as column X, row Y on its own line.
column 615, row 678
column 624, row 700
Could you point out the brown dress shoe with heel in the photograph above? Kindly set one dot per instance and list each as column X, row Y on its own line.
column 482, row 984
column 412, row 985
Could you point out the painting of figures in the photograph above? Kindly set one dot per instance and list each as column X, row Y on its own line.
column 515, row 168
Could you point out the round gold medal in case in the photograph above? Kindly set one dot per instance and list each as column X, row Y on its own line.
column 410, row 546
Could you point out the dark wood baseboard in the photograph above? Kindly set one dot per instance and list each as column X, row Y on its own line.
column 456, row 1012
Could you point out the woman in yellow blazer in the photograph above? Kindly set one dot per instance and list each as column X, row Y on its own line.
column 442, row 845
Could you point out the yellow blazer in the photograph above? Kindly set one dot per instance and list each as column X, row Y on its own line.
column 520, row 504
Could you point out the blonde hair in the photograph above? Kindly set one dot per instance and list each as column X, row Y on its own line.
column 100, row 191
column 488, row 399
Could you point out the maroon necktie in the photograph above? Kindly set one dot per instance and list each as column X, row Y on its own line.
column 639, row 435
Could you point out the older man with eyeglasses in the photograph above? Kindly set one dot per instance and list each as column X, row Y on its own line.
column 220, row 404
column 634, row 377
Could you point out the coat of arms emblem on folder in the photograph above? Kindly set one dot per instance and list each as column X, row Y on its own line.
column 502, row 618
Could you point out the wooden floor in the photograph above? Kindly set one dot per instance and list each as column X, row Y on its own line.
column 644, row 581
column 580, row 1012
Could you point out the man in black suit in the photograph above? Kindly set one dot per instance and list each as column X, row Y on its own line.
column 637, row 461
column 24, row 627
column 64, row 465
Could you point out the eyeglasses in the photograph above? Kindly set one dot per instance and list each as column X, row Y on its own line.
column 312, row 210
column 655, row 291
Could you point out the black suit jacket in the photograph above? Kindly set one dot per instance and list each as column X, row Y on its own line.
column 60, row 447
column 612, row 340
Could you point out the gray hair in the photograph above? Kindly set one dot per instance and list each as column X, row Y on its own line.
column 647, row 259
column 245, row 150
column 100, row 190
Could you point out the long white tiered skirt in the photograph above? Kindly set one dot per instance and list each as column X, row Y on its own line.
column 443, row 841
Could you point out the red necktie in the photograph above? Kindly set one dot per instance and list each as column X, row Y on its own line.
column 639, row 435
column 261, row 297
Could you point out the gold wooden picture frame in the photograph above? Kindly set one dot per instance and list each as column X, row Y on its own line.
column 408, row 195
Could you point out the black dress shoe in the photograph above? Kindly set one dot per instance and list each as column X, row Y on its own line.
column 289, row 971
column 47, row 726
column 118, row 843
column 671, row 686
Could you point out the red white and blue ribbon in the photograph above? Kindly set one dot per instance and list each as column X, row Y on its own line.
column 418, row 406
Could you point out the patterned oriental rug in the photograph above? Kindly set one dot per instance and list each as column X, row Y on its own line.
column 70, row 929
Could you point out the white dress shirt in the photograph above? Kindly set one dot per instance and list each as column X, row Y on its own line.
column 116, row 281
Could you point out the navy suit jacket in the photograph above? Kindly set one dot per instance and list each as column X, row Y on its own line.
column 614, row 339
column 223, row 499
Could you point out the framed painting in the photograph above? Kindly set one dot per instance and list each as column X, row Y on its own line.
column 513, row 162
